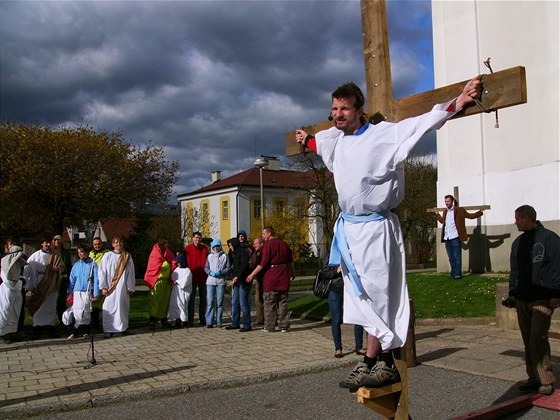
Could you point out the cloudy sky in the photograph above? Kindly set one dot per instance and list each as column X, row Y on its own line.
column 214, row 82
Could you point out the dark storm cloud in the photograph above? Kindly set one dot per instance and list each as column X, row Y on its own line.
column 215, row 82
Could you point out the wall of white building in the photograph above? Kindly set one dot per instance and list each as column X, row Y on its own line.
column 518, row 163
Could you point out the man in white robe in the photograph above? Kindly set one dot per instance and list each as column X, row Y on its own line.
column 48, row 267
column 15, row 270
column 367, row 163
column 117, row 282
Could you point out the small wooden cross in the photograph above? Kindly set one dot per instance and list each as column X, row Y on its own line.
column 456, row 196
column 499, row 90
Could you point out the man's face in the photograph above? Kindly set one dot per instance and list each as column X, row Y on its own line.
column 346, row 117
column 118, row 245
column 257, row 244
column 266, row 235
column 241, row 238
column 45, row 245
column 522, row 222
column 97, row 245
column 82, row 255
column 448, row 202
column 57, row 243
column 196, row 239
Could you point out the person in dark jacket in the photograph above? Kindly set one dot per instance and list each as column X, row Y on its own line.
column 534, row 290
column 240, row 288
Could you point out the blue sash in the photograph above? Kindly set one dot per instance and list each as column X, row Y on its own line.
column 340, row 250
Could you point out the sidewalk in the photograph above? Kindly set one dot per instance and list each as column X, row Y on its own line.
column 38, row 376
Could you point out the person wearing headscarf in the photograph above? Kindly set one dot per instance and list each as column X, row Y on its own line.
column 181, row 278
column 15, row 270
column 158, row 278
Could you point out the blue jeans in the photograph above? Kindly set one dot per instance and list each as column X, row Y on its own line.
column 218, row 293
column 335, row 305
column 241, row 301
column 358, row 337
column 454, row 252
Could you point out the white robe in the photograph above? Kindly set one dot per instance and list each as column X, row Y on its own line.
column 46, row 314
column 180, row 293
column 116, row 306
column 369, row 177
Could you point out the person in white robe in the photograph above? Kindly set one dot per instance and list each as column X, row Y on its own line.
column 181, row 278
column 367, row 163
column 117, row 282
column 48, row 267
column 83, row 286
column 15, row 271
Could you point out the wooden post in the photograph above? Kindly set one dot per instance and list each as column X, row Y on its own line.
column 500, row 89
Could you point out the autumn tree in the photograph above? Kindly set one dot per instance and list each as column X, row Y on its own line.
column 52, row 178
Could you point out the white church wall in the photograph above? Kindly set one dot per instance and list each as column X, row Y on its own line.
column 518, row 163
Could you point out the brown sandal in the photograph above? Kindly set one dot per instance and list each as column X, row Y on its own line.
column 361, row 352
column 338, row 353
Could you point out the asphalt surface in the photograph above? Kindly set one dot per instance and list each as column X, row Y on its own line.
column 464, row 366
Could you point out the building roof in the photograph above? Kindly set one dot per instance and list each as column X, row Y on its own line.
column 250, row 177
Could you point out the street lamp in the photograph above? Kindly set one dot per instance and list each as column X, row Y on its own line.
column 261, row 163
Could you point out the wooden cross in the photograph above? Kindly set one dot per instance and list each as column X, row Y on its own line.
column 499, row 90
column 456, row 196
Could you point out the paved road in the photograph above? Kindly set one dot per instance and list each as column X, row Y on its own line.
column 317, row 396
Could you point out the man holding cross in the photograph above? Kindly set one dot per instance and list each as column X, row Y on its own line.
column 367, row 163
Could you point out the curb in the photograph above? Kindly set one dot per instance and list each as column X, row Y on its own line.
column 131, row 396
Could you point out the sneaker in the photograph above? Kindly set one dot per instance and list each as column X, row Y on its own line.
column 285, row 329
column 528, row 386
column 71, row 336
column 265, row 330
column 231, row 327
column 352, row 382
column 546, row 389
column 86, row 336
column 381, row 375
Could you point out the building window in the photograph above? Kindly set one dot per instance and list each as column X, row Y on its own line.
column 279, row 206
column 257, row 209
column 225, row 210
column 205, row 214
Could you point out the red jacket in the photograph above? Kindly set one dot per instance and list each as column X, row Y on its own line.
column 196, row 259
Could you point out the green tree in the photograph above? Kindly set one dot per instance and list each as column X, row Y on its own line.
column 51, row 178
column 418, row 227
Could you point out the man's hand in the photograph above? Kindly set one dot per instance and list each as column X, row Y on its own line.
column 105, row 292
column 471, row 91
column 509, row 302
column 301, row 135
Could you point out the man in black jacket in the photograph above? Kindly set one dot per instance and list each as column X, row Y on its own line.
column 241, row 289
column 534, row 290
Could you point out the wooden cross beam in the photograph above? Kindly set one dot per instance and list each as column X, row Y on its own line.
column 499, row 90
column 456, row 196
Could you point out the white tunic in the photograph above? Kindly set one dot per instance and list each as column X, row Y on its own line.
column 180, row 293
column 116, row 306
column 46, row 314
column 369, row 177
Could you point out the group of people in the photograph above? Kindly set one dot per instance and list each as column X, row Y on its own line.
column 100, row 281
column 268, row 262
